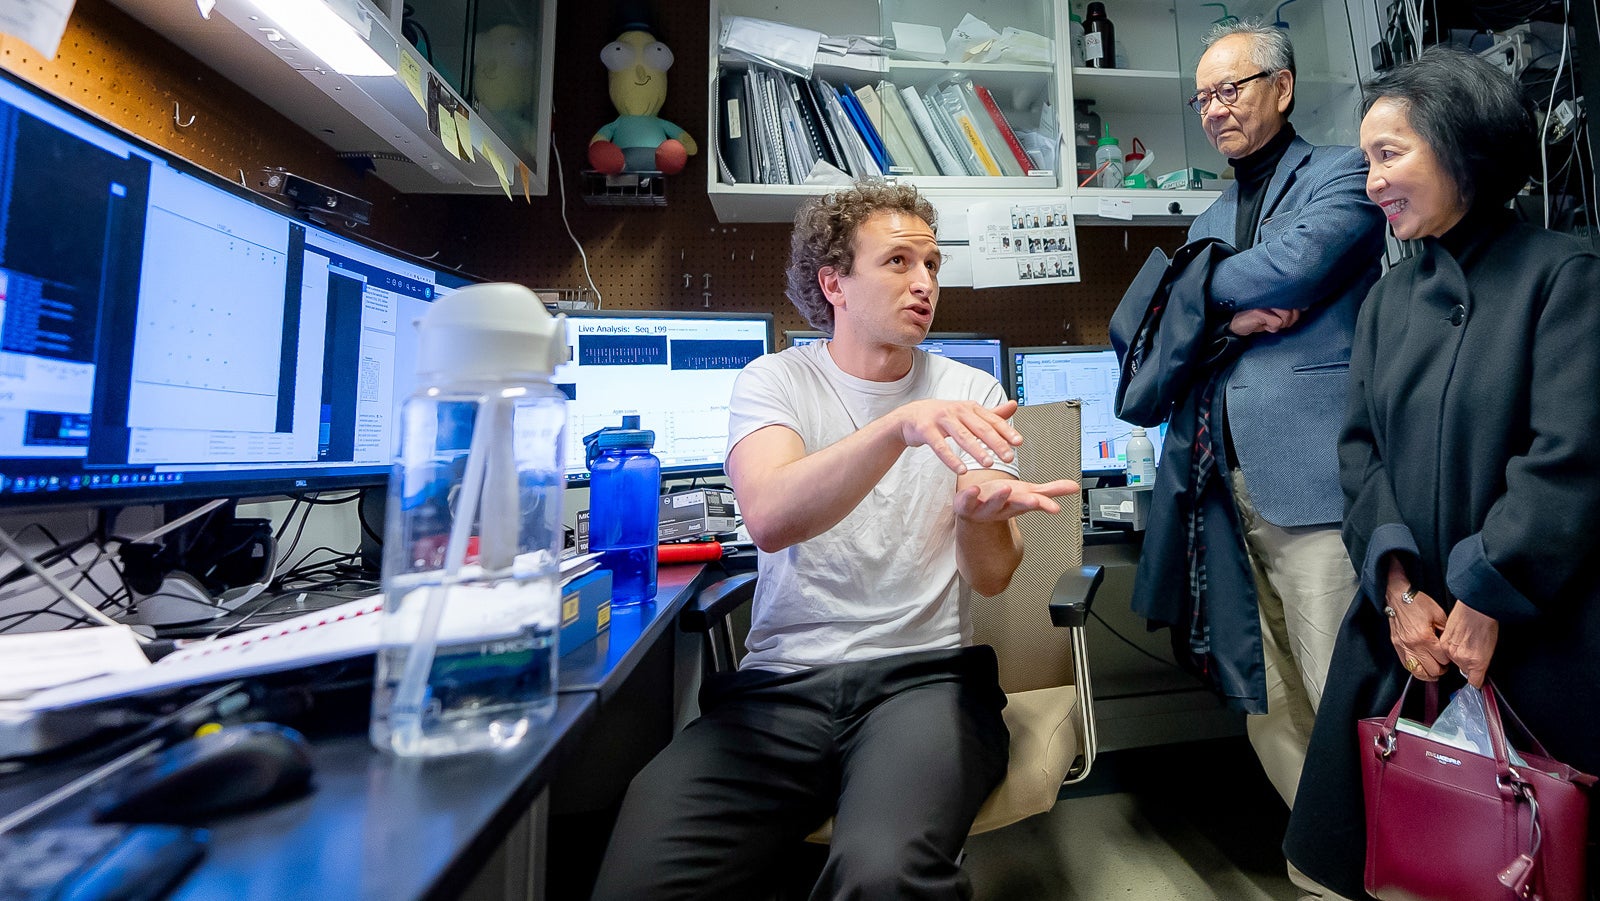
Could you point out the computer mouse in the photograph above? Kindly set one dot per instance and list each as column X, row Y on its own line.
column 234, row 768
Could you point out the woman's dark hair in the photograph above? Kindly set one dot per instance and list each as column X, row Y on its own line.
column 1473, row 116
column 825, row 235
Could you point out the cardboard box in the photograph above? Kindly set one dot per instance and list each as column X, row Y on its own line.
column 698, row 511
column 1191, row 177
column 585, row 608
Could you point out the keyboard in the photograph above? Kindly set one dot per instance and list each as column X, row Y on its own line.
column 86, row 863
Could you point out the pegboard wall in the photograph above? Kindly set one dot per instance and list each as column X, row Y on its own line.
column 113, row 66
column 677, row 257
column 639, row 256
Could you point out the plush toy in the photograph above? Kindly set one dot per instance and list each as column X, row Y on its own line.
column 502, row 78
column 638, row 141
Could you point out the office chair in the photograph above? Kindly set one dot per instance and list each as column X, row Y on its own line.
column 1044, row 671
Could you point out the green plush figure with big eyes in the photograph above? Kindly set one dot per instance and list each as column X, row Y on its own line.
column 638, row 140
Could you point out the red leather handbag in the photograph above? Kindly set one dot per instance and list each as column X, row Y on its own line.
column 1445, row 824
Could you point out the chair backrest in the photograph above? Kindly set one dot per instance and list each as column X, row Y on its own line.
column 1017, row 621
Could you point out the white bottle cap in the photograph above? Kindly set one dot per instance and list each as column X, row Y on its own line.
column 491, row 332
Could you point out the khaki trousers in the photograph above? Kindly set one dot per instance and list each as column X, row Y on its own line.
column 1304, row 585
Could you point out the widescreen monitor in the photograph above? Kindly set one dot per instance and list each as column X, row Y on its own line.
column 984, row 352
column 166, row 334
column 674, row 370
column 1088, row 375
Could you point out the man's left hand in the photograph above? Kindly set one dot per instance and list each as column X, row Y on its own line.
column 997, row 500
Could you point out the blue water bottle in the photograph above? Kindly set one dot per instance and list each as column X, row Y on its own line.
column 624, row 507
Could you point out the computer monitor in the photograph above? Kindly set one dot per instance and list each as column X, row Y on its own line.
column 1088, row 375
column 674, row 370
column 979, row 351
column 167, row 334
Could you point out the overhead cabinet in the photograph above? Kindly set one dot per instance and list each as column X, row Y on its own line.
column 442, row 96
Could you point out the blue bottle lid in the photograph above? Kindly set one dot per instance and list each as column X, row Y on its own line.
column 628, row 435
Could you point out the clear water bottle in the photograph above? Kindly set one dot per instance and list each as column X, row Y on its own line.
column 473, row 536
column 624, row 508
column 1140, row 466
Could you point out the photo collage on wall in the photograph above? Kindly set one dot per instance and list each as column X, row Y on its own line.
column 1023, row 243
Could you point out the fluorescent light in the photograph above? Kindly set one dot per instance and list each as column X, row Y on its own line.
column 315, row 26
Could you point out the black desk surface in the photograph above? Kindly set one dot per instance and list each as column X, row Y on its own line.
column 376, row 827
column 605, row 663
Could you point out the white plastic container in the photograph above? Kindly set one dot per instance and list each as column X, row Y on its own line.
column 1140, row 465
column 1108, row 154
column 472, row 545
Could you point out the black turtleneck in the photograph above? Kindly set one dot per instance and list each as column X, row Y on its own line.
column 1252, row 172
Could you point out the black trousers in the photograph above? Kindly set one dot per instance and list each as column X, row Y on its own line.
column 901, row 751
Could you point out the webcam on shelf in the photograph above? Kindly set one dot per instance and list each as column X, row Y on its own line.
column 319, row 202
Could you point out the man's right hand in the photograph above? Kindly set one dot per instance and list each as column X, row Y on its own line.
column 1272, row 321
column 985, row 433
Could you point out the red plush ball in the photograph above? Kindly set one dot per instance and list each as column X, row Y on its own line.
column 671, row 157
column 606, row 157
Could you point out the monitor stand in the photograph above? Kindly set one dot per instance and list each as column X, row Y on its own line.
column 200, row 566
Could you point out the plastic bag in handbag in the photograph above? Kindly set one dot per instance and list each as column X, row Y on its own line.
column 1445, row 824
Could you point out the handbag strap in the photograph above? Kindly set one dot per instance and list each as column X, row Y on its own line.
column 1534, row 744
column 1430, row 702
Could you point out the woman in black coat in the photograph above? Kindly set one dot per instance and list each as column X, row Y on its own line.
column 1470, row 458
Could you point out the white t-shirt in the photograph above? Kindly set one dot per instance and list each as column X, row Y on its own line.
column 883, row 580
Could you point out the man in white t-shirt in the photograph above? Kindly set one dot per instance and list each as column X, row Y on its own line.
column 879, row 484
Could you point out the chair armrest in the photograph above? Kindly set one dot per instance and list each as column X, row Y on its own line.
column 1069, row 605
column 713, row 603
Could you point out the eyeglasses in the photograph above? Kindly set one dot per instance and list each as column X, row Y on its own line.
column 1227, row 92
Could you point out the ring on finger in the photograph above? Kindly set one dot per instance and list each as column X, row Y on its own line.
column 1413, row 664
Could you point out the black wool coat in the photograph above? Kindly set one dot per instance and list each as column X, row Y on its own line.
column 1471, row 451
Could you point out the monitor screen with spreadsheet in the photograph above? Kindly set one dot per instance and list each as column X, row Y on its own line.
column 984, row 352
column 674, row 370
column 1088, row 375
column 166, row 334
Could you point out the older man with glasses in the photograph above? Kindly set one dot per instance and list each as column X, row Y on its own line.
column 1308, row 245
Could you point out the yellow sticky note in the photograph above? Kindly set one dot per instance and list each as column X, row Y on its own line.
column 411, row 74
column 527, row 179
column 464, row 131
column 447, row 133
column 499, row 168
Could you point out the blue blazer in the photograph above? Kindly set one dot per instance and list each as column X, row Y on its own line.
column 1317, row 249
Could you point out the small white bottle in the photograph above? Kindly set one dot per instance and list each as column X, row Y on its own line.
column 1075, row 30
column 1141, row 460
column 1108, row 159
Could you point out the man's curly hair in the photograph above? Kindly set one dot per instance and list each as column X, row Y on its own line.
column 825, row 235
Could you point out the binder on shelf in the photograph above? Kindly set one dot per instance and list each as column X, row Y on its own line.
column 802, row 156
column 900, row 159
column 772, row 132
column 849, row 139
column 942, row 155
column 733, row 129
column 817, row 124
column 864, row 126
column 955, row 106
column 952, row 136
column 991, row 135
column 1001, row 125
column 899, row 119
